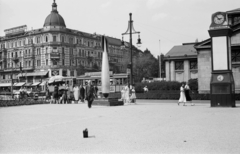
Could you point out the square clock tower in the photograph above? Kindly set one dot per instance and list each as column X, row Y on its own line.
column 222, row 83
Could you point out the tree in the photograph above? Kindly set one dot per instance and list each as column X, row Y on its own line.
column 145, row 66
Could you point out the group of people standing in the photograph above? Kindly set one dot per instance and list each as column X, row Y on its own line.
column 78, row 93
column 128, row 94
column 185, row 94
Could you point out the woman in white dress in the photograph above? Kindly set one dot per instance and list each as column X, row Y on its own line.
column 76, row 93
column 127, row 98
column 123, row 95
column 182, row 98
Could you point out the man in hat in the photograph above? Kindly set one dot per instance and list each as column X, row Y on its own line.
column 89, row 93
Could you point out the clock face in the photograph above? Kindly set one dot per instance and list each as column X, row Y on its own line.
column 219, row 19
column 220, row 78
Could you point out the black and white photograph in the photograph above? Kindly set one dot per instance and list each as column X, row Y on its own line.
column 120, row 76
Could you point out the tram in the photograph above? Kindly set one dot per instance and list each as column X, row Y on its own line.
column 117, row 81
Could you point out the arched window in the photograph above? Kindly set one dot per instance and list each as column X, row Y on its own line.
column 46, row 38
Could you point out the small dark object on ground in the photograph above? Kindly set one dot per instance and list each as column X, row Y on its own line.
column 85, row 133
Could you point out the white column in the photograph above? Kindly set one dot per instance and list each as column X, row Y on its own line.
column 172, row 71
column 167, row 66
column 186, row 70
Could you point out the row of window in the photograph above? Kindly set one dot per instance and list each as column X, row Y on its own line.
column 46, row 38
column 179, row 65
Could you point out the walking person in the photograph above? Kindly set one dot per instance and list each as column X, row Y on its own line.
column 64, row 96
column 76, row 93
column 96, row 90
column 82, row 93
column 55, row 94
column 133, row 95
column 90, row 92
column 187, row 94
column 123, row 95
column 68, row 94
column 182, row 98
column 127, row 91
column 48, row 97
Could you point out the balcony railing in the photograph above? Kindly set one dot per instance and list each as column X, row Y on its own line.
column 29, row 56
column 54, row 55
column 15, row 59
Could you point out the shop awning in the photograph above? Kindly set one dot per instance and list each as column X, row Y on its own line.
column 36, row 83
column 19, row 84
column 28, row 84
column 39, row 73
column 5, row 84
column 43, row 83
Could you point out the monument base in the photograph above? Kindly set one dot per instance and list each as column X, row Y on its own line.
column 107, row 102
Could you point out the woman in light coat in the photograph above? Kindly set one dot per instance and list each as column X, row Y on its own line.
column 76, row 93
column 127, row 92
column 182, row 98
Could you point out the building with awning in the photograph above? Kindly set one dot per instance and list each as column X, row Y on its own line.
column 43, row 83
column 38, row 54
column 5, row 84
column 36, row 83
column 28, row 84
column 19, row 84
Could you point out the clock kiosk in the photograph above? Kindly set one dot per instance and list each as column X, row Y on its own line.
column 222, row 83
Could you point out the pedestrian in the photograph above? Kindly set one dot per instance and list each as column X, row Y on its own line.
column 187, row 94
column 55, row 94
column 96, row 90
column 68, row 94
column 90, row 92
column 48, row 97
column 82, row 93
column 76, row 93
column 145, row 89
column 182, row 98
column 64, row 96
column 133, row 95
column 127, row 92
column 123, row 95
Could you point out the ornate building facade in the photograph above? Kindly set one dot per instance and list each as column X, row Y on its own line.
column 53, row 50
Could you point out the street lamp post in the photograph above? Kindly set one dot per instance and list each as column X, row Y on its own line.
column 131, row 31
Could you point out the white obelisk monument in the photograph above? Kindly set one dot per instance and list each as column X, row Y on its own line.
column 105, row 77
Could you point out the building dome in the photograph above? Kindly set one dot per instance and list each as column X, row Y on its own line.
column 54, row 19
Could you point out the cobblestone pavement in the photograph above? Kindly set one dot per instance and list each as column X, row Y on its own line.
column 151, row 126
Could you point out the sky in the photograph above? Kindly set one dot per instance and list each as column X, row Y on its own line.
column 162, row 23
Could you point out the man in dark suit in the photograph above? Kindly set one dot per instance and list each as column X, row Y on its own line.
column 90, row 92
column 82, row 93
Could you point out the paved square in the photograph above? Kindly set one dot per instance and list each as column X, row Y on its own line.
column 151, row 126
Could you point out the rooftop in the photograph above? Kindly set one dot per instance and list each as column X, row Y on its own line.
column 182, row 50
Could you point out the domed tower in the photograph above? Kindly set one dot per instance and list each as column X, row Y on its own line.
column 54, row 19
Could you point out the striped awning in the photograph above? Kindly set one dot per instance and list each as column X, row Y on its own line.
column 36, row 83
column 28, row 84
column 19, row 84
column 5, row 84
column 43, row 83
